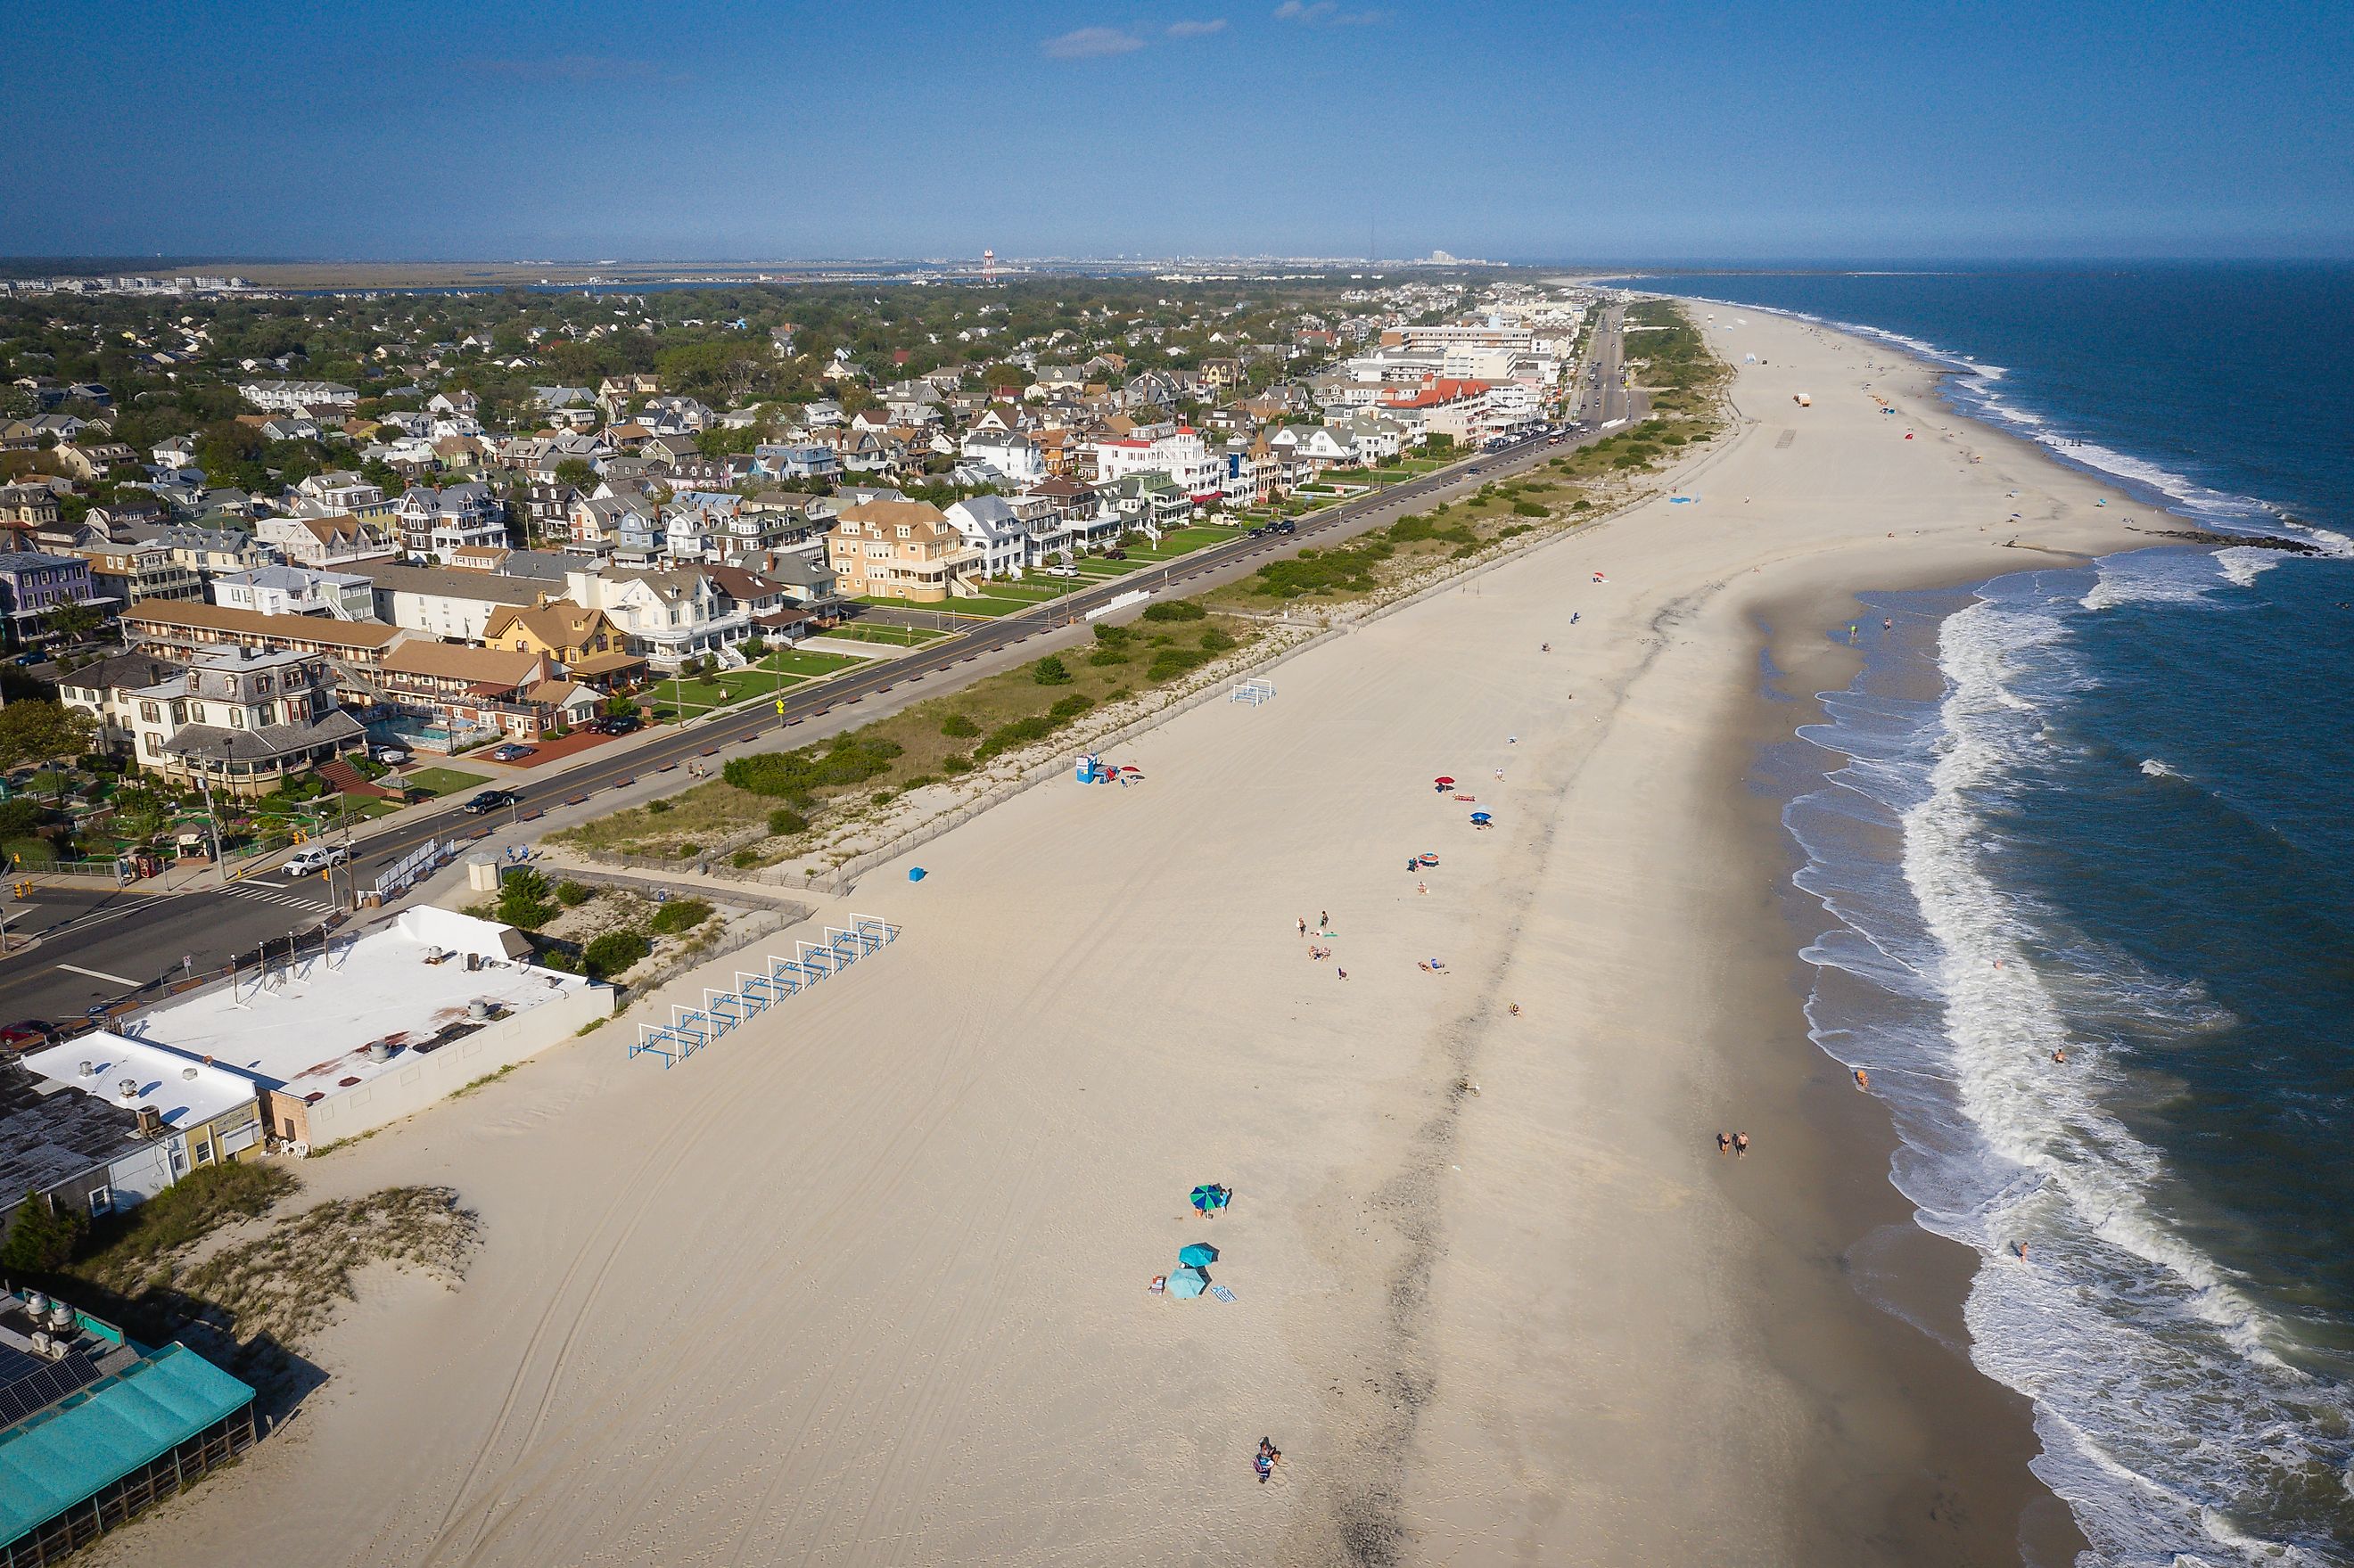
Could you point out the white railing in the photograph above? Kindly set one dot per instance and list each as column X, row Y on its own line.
column 410, row 869
column 690, row 1029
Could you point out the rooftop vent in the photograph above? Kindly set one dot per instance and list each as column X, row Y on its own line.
column 189, row 1074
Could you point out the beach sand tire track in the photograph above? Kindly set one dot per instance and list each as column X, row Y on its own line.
column 671, row 1151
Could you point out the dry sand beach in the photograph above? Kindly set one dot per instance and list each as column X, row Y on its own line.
column 864, row 1282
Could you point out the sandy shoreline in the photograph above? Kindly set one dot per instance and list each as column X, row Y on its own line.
column 864, row 1281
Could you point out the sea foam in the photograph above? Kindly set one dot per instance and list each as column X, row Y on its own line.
column 2161, row 1391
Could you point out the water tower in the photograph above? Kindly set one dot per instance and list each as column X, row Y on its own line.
column 988, row 266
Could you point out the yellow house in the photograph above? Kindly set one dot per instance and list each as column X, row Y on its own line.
column 584, row 644
column 898, row 549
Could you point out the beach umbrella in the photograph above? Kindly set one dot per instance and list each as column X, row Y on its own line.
column 1482, row 817
column 1198, row 1255
column 1209, row 1196
column 1442, row 779
column 1187, row 1283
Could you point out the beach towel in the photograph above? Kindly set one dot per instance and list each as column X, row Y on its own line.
column 1222, row 1293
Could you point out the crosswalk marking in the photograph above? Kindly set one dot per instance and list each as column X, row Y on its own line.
column 264, row 894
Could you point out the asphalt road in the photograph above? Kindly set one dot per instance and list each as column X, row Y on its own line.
column 96, row 945
column 134, row 937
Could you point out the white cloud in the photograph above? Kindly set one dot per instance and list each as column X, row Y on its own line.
column 1197, row 29
column 1092, row 44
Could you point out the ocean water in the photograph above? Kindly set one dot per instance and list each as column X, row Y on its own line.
column 2109, row 814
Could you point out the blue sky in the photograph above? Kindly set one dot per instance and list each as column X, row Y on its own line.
column 1904, row 129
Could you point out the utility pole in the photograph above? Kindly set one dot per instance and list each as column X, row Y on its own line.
column 212, row 821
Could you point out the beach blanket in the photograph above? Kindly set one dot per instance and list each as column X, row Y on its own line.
column 1222, row 1293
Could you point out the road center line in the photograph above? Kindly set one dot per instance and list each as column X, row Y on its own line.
column 96, row 974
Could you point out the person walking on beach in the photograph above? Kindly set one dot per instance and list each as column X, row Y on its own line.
column 1725, row 1143
column 1740, row 1143
column 1303, row 925
column 1324, row 921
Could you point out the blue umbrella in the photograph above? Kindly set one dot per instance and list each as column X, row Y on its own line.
column 1188, row 1283
column 1209, row 1196
column 1198, row 1253
column 1482, row 817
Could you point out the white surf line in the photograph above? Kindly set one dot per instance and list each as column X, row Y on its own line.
column 96, row 974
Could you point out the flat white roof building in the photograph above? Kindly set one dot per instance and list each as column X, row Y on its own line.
column 191, row 1113
column 132, row 1074
column 377, row 1025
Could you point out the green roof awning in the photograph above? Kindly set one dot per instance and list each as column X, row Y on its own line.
column 63, row 1454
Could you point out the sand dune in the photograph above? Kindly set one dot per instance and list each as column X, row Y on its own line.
column 863, row 1282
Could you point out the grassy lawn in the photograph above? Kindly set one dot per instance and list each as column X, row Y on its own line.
column 443, row 780
column 725, row 689
column 802, row 661
column 988, row 604
column 1184, row 541
column 899, row 636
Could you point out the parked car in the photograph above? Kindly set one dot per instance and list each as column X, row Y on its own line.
column 1115, row 554
column 390, row 756
column 1283, row 527
column 27, row 1035
column 315, row 860
column 617, row 724
column 491, row 800
column 1062, row 571
column 513, row 751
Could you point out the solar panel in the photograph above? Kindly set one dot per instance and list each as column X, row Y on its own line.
column 43, row 1385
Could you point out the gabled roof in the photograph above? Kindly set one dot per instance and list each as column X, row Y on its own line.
column 894, row 513
column 491, row 588
column 492, row 667
column 560, row 623
column 190, row 614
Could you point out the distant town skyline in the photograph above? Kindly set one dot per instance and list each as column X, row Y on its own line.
column 1511, row 131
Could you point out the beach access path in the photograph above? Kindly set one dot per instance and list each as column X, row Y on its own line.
column 864, row 1282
